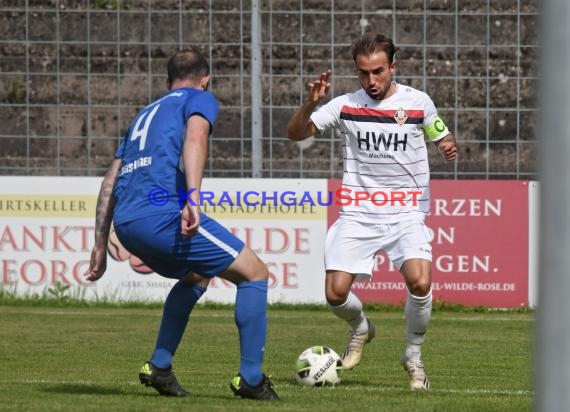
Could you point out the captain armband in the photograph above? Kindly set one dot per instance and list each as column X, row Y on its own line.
column 435, row 129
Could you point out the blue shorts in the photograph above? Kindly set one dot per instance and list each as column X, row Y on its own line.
column 157, row 241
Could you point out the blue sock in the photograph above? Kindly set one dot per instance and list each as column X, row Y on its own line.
column 177, row 308
column 251, row 320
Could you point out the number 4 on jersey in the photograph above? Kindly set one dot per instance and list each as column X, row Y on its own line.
column 138, row 132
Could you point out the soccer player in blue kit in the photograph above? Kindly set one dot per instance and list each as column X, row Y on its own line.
column 163, row 155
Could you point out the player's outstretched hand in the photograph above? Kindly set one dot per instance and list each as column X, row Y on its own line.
column 97, row 264
column 319, row 89
column 190, row 220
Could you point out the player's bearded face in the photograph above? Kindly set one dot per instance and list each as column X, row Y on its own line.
column 375, row 74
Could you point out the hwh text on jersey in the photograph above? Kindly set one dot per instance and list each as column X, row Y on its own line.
column 392, row 139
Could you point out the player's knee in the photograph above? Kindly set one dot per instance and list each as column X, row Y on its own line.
column 335, row 301
column 336, row 297
column 420, row 287
column 259, row 271
column 193, row 279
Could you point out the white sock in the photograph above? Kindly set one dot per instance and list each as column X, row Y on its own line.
column 351, row 311
column 418, row 314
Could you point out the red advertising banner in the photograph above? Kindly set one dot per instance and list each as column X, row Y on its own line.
column 480, row 246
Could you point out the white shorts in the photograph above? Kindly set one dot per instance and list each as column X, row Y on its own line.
column 351, row 246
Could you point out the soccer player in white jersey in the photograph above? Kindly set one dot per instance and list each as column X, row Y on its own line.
column 385, row 191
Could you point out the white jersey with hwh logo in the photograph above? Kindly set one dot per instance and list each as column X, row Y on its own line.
column 384, row 151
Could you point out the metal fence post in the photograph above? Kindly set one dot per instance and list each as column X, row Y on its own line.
column 552, row 361
column 256, row 90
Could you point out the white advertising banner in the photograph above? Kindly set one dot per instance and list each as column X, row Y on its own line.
column 46, row 236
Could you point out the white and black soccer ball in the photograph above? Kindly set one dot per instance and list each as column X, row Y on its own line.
column 318, row 366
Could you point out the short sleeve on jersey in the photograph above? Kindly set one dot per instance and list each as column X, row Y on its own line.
column 120, row 153
column 204, row 104
column 327, row 116
column 436, row 130
column 433, row 126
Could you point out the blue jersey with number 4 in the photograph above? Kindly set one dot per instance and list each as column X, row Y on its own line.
column 151, row 177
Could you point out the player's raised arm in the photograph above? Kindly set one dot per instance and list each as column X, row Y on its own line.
column 105, row 206
column 300, row 125
column 447, row 147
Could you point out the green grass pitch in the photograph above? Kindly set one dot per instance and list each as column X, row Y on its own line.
column 87, row 359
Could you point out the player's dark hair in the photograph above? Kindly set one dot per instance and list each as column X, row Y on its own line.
column 187, row 64
column 370, row 42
